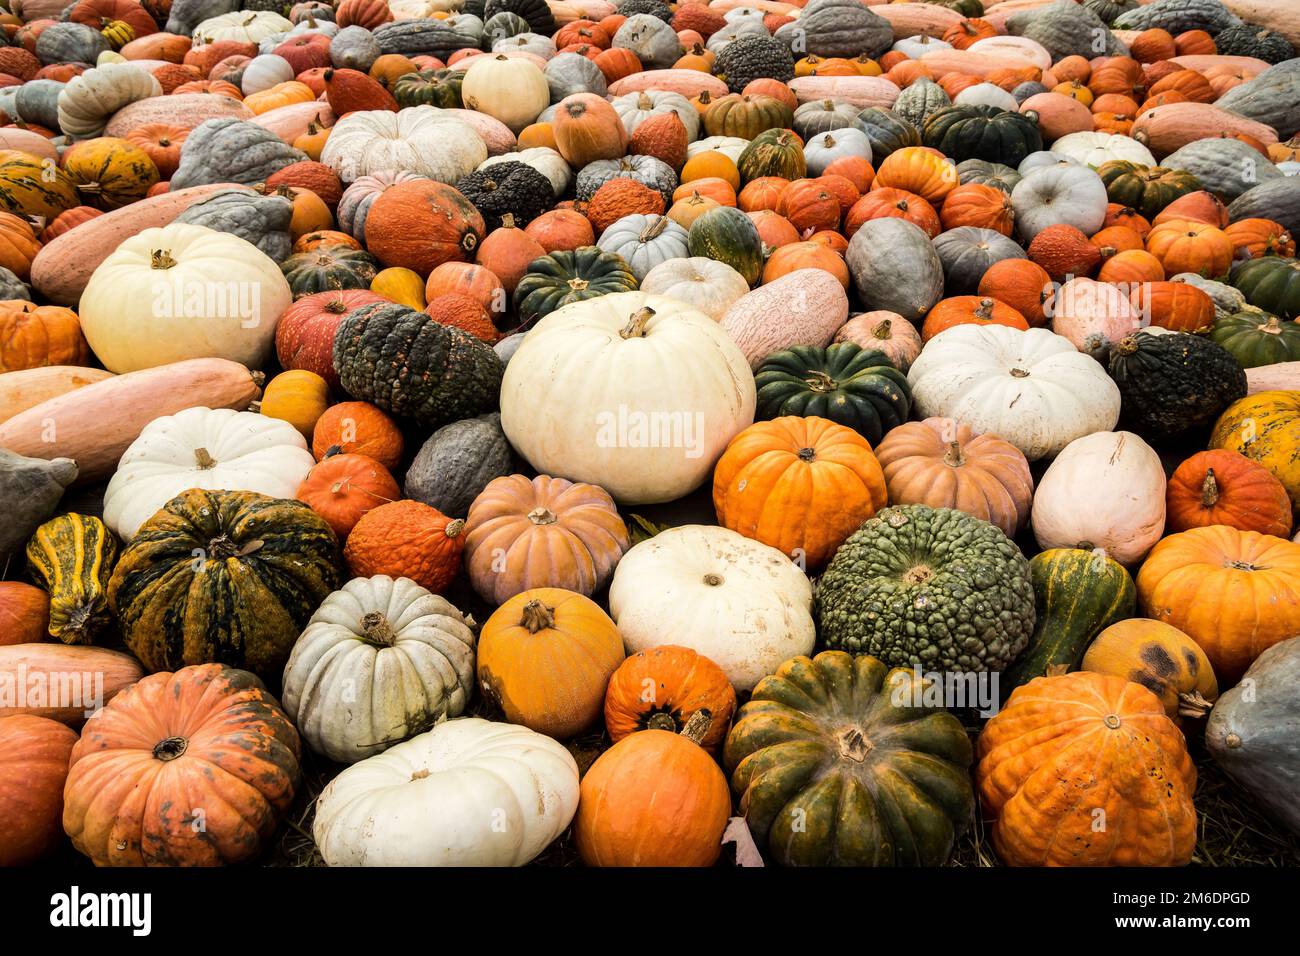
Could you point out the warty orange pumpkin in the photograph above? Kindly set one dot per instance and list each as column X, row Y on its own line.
column 407, row 539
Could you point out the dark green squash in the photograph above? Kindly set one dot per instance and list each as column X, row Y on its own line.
column 1077, row 595
column 887, row 130
column 773, row 152
column 754, row 57
column 429, row 88
column 982, row 132
column 1174, row 382
column 970, row 9
column 1255, row 337
column 408, row 364
column 987, row 174
column 1270, row 283
column 728, row 235
column 838, row 761
column 1252, row 39
column 508, row 189
column 72, row 556
column 328, row 269
column 845, row 383
column 1108, row 10
column 570, row 276
column 229, row 577
column 536, row 12
column 1148, row 189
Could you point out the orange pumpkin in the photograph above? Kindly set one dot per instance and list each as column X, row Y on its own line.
column 662, row 688
column 587, row 129
column 1112, row 240
column 18, row 245
column 1195, row 43
column 970, row 310
column 1253, row 238
column 422, row 224
column 362, row 13
column 1191, row 84
column 1118, row 74
column 343, row 488
column 324, row 237
column 507, row 252
column 24, row 613
column 1117, row 215
column 974, row 204
column 762, row 193
column 1185, row 246
column 357, row 428
column 1065, row 252
column 1199, row 206
column 1132, row 267
column 34, row 755
column 162, row 143
column 406, row 539
column 809, row 206
column 1223, row 487
column 765, row 86
column 789, row 257
column 616, row 63
column 34, row 336
column 917, row 170
column 559, row 229
column 711, row 164
column 775, row 231
column 710, row 187
column 1178, row 306
column 881, row 203
column 963, row 34
column 538, row 134
column 545, row 657
column 1021, row 284
column 1150, row 46
column 474, row 281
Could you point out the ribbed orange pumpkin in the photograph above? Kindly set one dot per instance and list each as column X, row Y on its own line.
column 1178, row 306
column 1195, row 42
column 711, row 187
column 34, row 755
column 881, row 203
column 793, row 256
column 974, row 204
column 357, row 428
column 587, row 129
column 801, row 485
column 1087, row 769
column 1112, row 240
column 1021, row 284
column 809, row 206
column 762, row 193
column 1185, row 246
column 162, row 143
column 545, row 658
column 343, row 488
column 407, row 539
column 1118, row 74
column 474, row 281
column 18, row 245
column 1117, row 215
column 1236, row 593
column 963, row 34
column 853, row 168
column 34, row 336
column 1253, row 238
column 970, row 310
column 1132, row 266
column 775, row 231
column 24, row 613
column 1223, row 487
column 363, row 13
column 917, row 170
column 661, row 688
column 1188, row 82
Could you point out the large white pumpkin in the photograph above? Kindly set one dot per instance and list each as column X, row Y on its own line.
column 511, row 90
column 740, row 603
column 470, row 792
column 1032, row 388
column 636, row 393
column 183, row 292
column 380, row 661
column 216, row 448
column 422, row 140
column 1105, row 490
column 243, row 26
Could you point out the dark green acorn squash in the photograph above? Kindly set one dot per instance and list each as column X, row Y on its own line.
column 987, row 174
column 1148, row 189
column 570, row 276
column 429, row 88
column 1255, row 337
column 1270, row 283
column 773, row 152
column 925, row 587
column 329, row 268
column 508, row 189
column 229, row 577
column 750, row 57
column 982, row 132
column 887, row 130
column 838, row 761
column 849, row 385
column 1251, row 39
column 408, row 364
column 1077, row 595
column 536, row 12
column 1174, row 382
column 728, row 235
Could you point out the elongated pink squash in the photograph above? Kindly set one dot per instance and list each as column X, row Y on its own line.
column 181, row 109
column 917, row 19
column 1200, row 62
column 24, row 140
column 689, row 83
column 804, row 307
column 290, row 122
column 1285, row 376
column 93, row 675
column 859, row 91
column 21, row 390
column 1171, row 126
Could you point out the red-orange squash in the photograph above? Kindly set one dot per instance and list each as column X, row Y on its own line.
column 33, row 767
column 343, row 488
column 1223, row 487
column 407, row 539
column 662, row 688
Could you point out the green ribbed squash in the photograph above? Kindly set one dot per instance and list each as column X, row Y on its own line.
column 1077, row 595
column 72, row 556
column 1270, row 283
column 887, row 131
column 567, row 276
column 728, row 235
column 773, row 152
column 1148, row 189
column 429, row 88
column 836, row 761
column 226, row 577
column 328, row 269
column 982, row 132
column 1255, row 337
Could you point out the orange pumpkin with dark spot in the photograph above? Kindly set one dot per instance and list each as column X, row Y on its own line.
column 661, row 688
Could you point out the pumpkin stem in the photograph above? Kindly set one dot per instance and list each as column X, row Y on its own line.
column 644, row 102
column 985, row 310
column 661, row 721
column 536, row 616
column 376, row 631
column 1209, row 489
column 580, row 285
column 542, row 515
column 1127, row 345
column 204, row 459
column 455, row 528
column 697, row 725
column 918, row 575
column 170, row 748
column 1193, row 705
column 1273, row 326
column 635, row 327
column 820, row 382
column 1056, row 670
column 712, row 580
column 854, row 745
column 1112, row 721
column 883, row 329
column 953, row 456
column 807, row 454
column 507, row 221
column 161, row 259
column 654, row 230
column 1019, row 373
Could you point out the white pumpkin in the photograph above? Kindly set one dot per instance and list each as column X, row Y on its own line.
column 511, row 90
column 1032, row 388
column 265, row 71
column 635, row 108
column 217, row 448
column 421, row 140
column 729, row 146
column 824, row 148
column 704, row 284
column 987, row 94
column 636, row 393
column 243, row 26
column 543, row 159
column 645, row 241
column 917, row 46
column 87, row 101
column 1050, row 195
column 742, row 604
column 539, row 46
column 470, row 792
column 183, row 292
column 1092, row 315
column 380, row 661
column 1105, row 490
column 422, row 9
column 1092, row 148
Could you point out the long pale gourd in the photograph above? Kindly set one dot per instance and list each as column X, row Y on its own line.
column 1284, row 376
column 1169, row 127
column 94, row 425
column 917, row 19
column 180, row 109
column 98, row 673
column 22, row 390
column 859, row 91
column 290, row 122
column 1200, row 62
column 689, row 83
column 1280, row 15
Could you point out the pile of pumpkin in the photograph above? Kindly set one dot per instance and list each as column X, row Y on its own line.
column 325, row 326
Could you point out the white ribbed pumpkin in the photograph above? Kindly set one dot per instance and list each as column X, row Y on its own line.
column 701, row 283
column 422, row 140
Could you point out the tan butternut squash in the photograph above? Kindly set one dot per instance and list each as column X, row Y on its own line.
column 689, row 83
column 972, row 64
column 19, row 391
column 1171, row 126
column 915, row 19
column 84, row 679
column 1200, row 62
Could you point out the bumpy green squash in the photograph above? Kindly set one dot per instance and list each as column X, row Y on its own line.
column 1255, row 337
column 72, row 557
column 838, row 761
column 928, row 587
column 1171, row 383
column 728, row 235
column 887, row 130
column 1148, row 189
column 226, row 577
column 1270, row 283
column 1077, row 595
column 429, row 88
column 570, row 276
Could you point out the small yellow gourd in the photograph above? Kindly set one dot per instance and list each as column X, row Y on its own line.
column 298, row 397
column 403, row 286
column 72, row 557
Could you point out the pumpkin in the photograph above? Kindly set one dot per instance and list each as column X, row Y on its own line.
column 24, row 613
column 357, row 428
column 560, row 229
column 1224, row 487
column 970, row 310
column 34, row 757
column 411, row 806
column 457, row 462
column 35, row 336
column 396, row 284
column 656, row 343
column 1021, row 284
column 916, row 170
column 1162, row 659
column 407, row 539
column 545, row 657
column 72, row 556
column 662, row 689
column 563, row 277
column 31, row 187
column 380, row 661
column 1177, row 306
column 1185, row 246
column 710, row 286
column 1161, row 394
column 942, row 464
column 1271, row 284
column 1265, row 427
column 152, row 759
column 342, row 488
column 1255, row 337
column 892, row 203
column 973, row 204
column 895, row 267
column 328, row 268
column 824, row 470
column 1232, row 592
column 424, row 140
column 885, row 331
column 1253, row 238
column 18, row 245
column 774, row 152
column 508, row 251
column 1107, row 743
column 847, row 740
column 967, row 131
column 1059, row 194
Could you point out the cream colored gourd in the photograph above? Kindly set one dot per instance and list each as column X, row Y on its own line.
column 420, row 140
column 740, row 603
column 264, row 72
column 183, row 292
column 635, row 108
column 244, row 26
column 380, row 661
column 1093, row 148
column 1092, row 315
column 541, row 158
column 1030, row 387
column 511, row 90
column 701, row 283
column 88, row 100
column 636, row 393
column 1105, row 490
column 216, row 448
column 470, row 792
